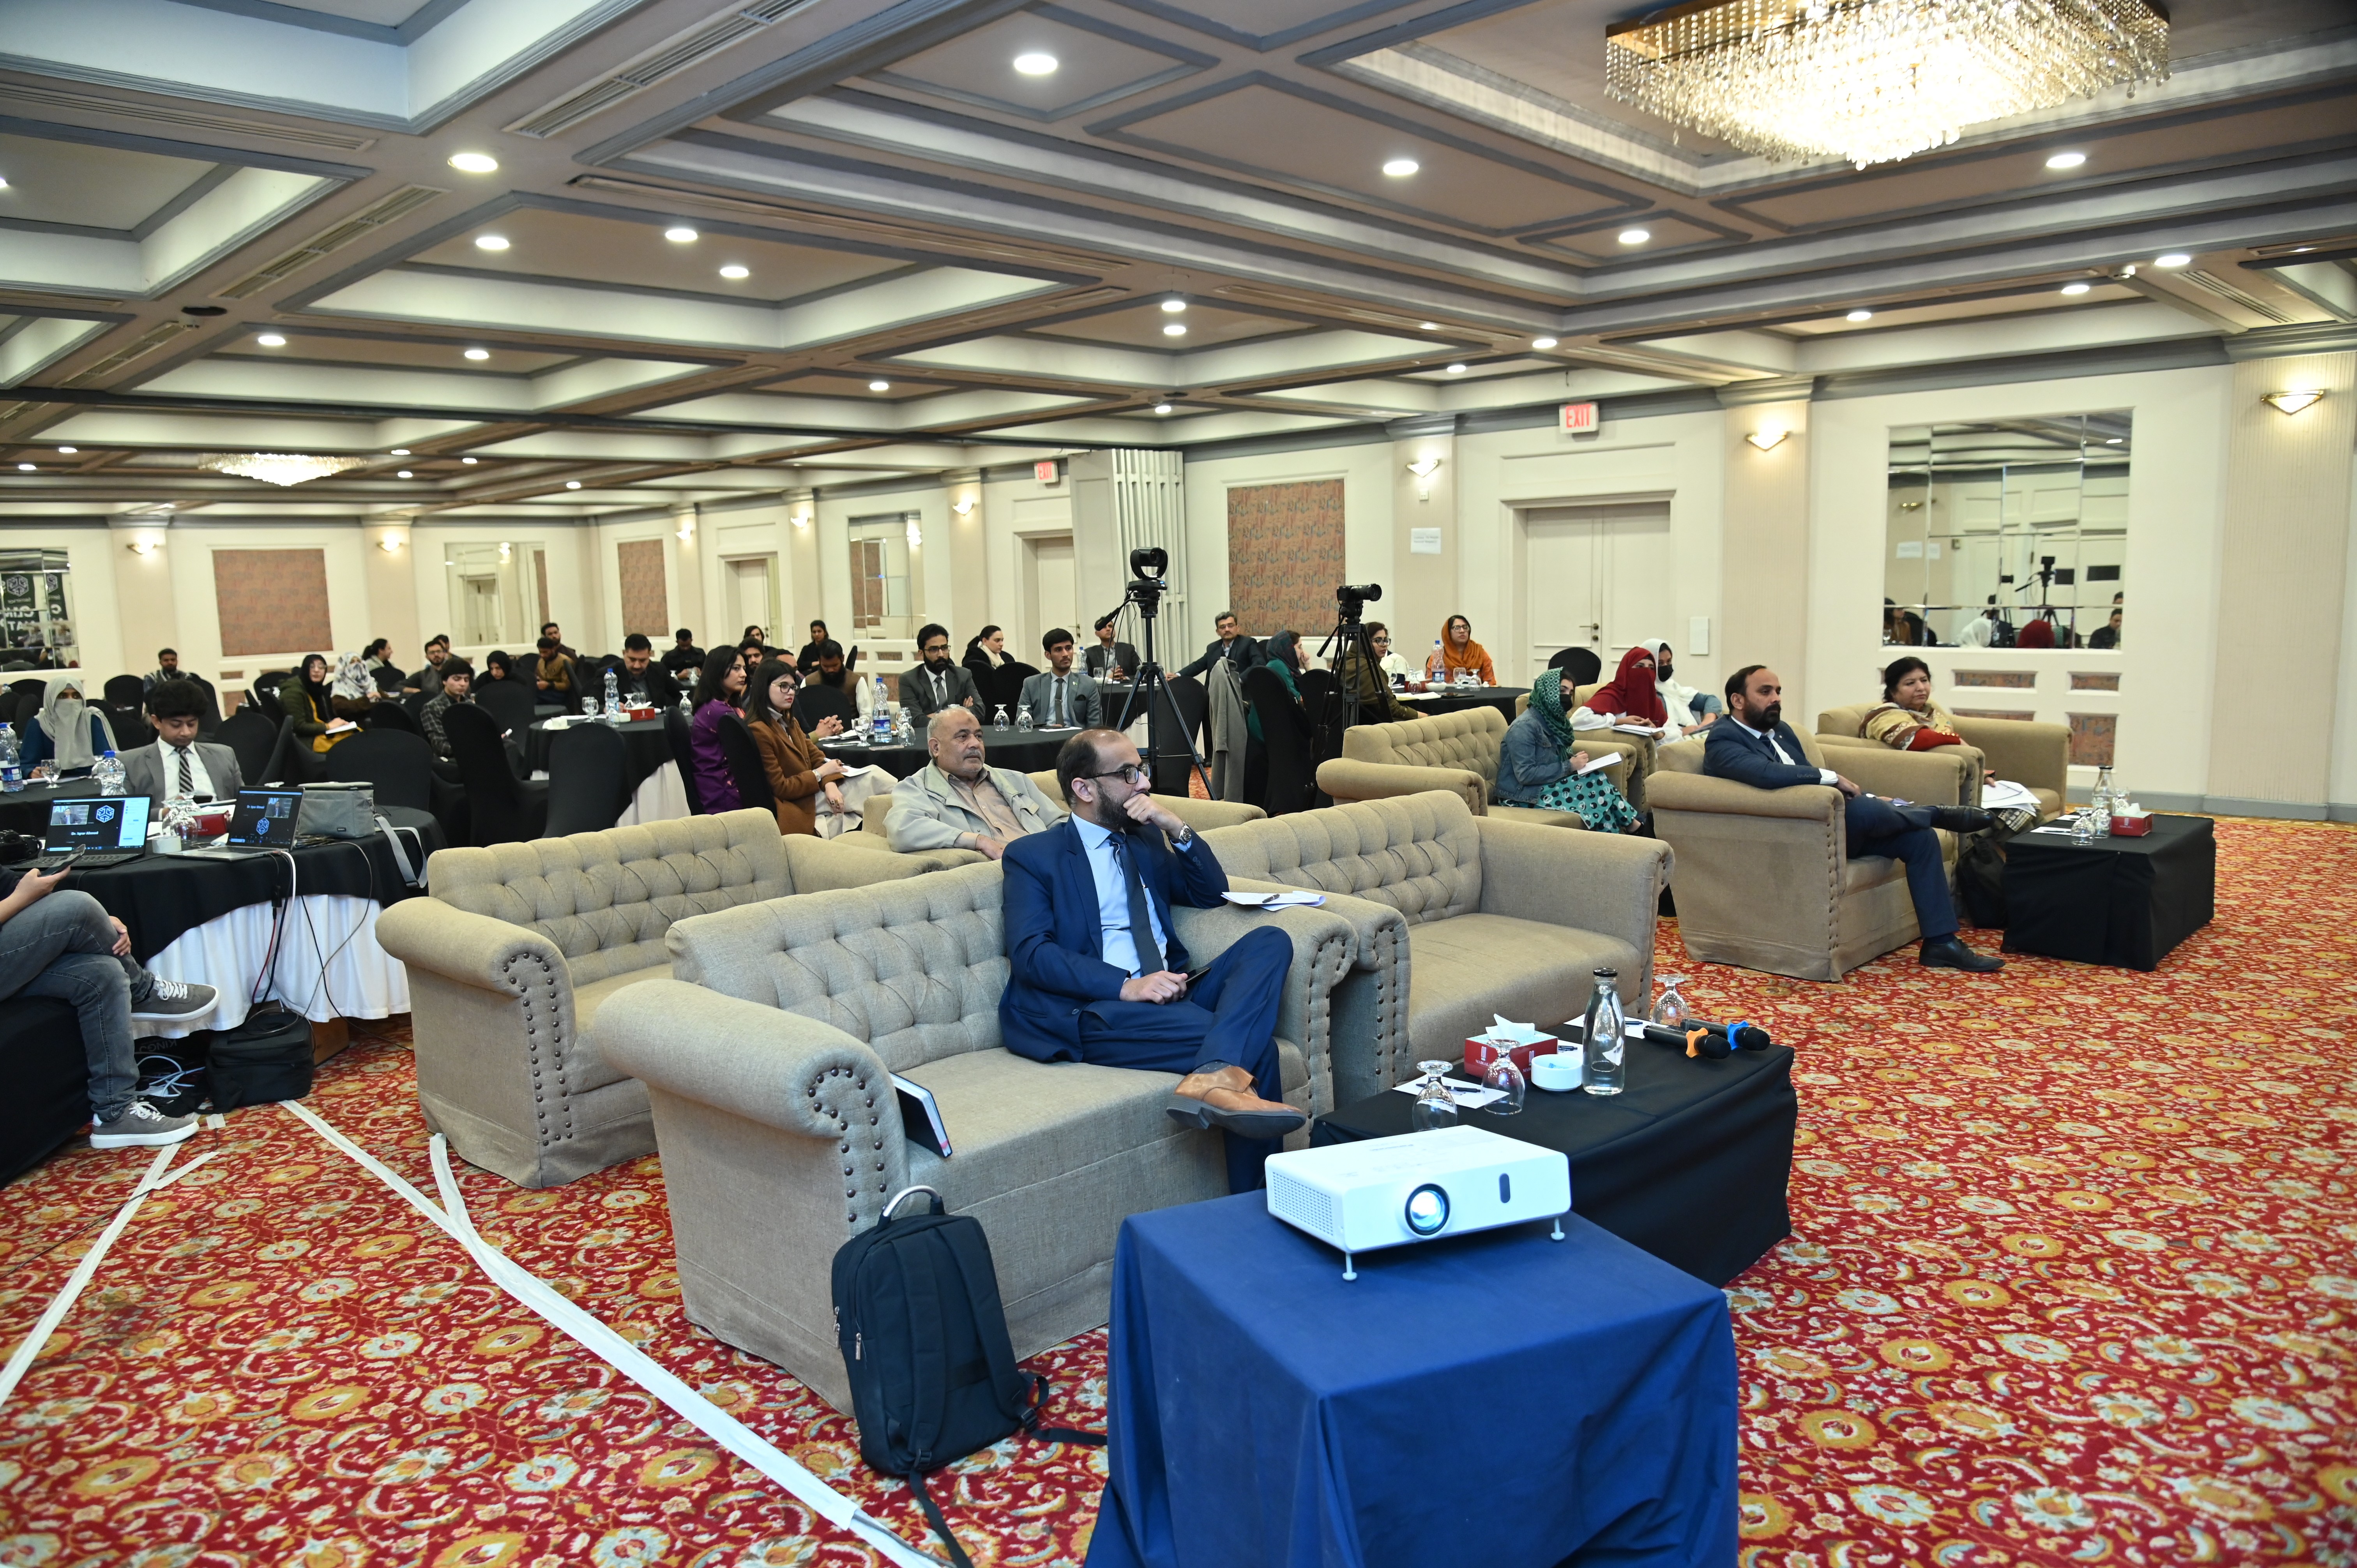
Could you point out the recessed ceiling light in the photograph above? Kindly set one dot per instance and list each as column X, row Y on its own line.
column 732, row 272
column 879, row 386
column 1036, row 64
column 1543, row 342
column 2111, row 441
column 572, row 484
column 2066, row 161
column 474, row 162
column 1456, row 369
column 478, row 353
column 2174, row 259
column 403, row 474
column 68, row 451
column 1174, row 305
column 400, row 452
column 1400, row 169
column 490, row 242
column 1635, row 236
column 1174, row 329
column 1428, row 325
column 25, row 469
column 2301, row 250
column 1860, row 316
column 3, row 185
column 1161, row 408
column 271, row 340
column 680, row 234
column 2075, row 289
column 469, row 461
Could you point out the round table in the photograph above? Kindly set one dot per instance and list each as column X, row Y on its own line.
column 27, row 810
column 646, row 746
column 1023, row 751
column 1456, row 698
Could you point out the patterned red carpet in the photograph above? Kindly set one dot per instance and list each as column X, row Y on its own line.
column 2074, row 1281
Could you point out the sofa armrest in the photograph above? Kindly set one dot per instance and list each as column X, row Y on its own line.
column 1323, row 944
column 1943, row 776
column 1369, row 1041
column 1604, row 882
column 1204, row 815
column 825, row 865
column 472, row 949
column 2035, row 755
column 1349, row 778
column 1703, row 795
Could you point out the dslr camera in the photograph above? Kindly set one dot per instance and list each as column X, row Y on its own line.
column 1352, row 599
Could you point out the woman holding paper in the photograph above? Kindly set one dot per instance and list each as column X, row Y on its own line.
column 1910, row 719
column 806, row 782
column 1537, row 766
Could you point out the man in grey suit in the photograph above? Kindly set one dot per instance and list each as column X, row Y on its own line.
column 936, row 683
column 179, row 766
column 1060, row 697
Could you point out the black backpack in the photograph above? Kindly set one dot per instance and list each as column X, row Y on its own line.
column 265, row 1059
column 933, row 1376
column 1980, row 878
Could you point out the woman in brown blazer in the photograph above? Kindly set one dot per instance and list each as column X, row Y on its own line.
column 799, row 774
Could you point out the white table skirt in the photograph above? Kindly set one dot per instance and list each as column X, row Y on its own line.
column 358, row 979
column 660, row 798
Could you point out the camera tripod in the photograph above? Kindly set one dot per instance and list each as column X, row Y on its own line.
column 1350, row 640
column 1149, row 683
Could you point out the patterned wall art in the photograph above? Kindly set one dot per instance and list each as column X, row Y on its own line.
column 2081, row 681
column 273, row 601
column 2092, row 738
column 1284, row 556
column 646, row 603
column 2000, row 680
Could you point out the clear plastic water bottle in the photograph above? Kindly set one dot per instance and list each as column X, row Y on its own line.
column 107, row 774
column 12, row 767
column 999, row 721
column 879, row 718
column 1604, row 1068
column 613, row 698
column 2107, row 802
column 1437, row 670
column 1023, row 717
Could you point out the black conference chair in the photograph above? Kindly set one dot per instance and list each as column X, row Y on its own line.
column 398, row 764
column 122, row 700
column 585, row 789
column 292, row 760
column 816, row 702
column 1286, row 773
column 1582, row 665
column 123, row 691
column 387, row 679
column 500, row 807
column 252, row 737
column 415, row 702
column 1173, row 756
column 744, row 759
column 509, row 703
column 683, row 752
column 385, row 715
column 208, row 722
column 263, row 696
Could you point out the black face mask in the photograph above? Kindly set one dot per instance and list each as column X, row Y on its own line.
column 1663, row 671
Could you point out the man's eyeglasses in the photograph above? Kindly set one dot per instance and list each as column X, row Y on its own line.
column 1132, row 773
column 936, row 647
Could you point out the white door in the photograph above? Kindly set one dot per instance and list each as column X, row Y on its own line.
column 1598, row 577
column 748, row 594
column 1053, row 597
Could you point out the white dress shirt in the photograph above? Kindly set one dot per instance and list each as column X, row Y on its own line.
column 1824, row 775
column 201, row 782
column 1113, row 897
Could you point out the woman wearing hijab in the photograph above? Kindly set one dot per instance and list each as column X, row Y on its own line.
column 497, row 665
column 310, row 703
column 1285, row 663
column 1629, row 698
column 1537, row 766
column 1689, row 710
column 353, row 688
column 717, row 695
column 805, row 779
column 1459, row 651
column 69, row 734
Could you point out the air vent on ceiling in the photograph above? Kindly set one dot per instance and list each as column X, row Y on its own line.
column 400, row 204
column 2234, row 297
column 667, row 59
column 175, row 114
column 139, row 348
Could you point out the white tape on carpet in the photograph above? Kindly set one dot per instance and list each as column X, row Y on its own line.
column 14, row 1373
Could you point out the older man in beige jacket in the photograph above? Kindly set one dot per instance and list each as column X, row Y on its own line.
column 958, row 801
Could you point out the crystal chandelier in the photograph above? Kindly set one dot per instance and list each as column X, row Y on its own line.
column 277, row 468
column 1872, row 80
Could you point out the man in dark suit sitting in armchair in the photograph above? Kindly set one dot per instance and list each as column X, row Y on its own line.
column 1761, row 749
column 1096, row 974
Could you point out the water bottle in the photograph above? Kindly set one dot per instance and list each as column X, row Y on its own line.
column 879, row 718
column 1435, row 669
column 108, row 773
column 1023, row 717
column 999, row 721
column 1603, row 1068
column 2107, row 801
column 613, row 700
column 12, row 770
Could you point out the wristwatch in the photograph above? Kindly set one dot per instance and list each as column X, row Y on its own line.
column 1183, row 837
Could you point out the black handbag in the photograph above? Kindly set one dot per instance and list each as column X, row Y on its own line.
column 924, row 1338
column 1980, row 878
column 265, row 1059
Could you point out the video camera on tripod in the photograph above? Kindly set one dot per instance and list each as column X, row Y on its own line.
column 1149, row 571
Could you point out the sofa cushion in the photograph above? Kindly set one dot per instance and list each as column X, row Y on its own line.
column 1469, row 739
column 1861, row 872
column 1538, row 816
column 607, row 899
column 1420, row 855
column 588, row 1070
column 1460, row 971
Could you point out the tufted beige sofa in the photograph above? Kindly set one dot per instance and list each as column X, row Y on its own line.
column 2035, row 756
column 519, row 945
column 1200, row 815
column 1455, row 916
column 1457, row 752
column 767, row 1062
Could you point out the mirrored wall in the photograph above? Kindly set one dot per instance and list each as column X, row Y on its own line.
column 2009, row 533
column 498, row 593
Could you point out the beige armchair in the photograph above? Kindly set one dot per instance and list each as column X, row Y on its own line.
column 1764, row 878
column 1457, row 752
column 519, row 946
column 2035, row 756
column 782, row 1137
column 1200, row 815
column 1455, row 916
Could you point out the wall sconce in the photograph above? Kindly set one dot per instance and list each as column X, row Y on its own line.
column 801, row 519
column 142, row 547
column 387, row 544
column 686, row 533
column 916, row 534
column 963, row 505
column 1423, row 468
column 1768, row 440
column 2292, row 402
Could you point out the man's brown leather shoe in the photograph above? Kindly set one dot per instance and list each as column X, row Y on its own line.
column 1196, row 1085
column 1237, row 1111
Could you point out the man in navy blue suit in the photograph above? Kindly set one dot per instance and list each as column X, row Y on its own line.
column 1761, row 749
column 1097, row 973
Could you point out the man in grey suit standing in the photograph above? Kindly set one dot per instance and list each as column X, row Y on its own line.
column 936, row 683
column 179, row 766
column 1060, row 697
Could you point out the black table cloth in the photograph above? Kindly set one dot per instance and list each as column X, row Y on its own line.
column 1690, row 1162
column 645, row 749
column 2120, row 901
column 27, row 810
column 1025, row 751
column 161, row 897
column 49, row 1082
column 1456, row 698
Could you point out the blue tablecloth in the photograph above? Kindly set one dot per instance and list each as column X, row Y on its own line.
column 1496, row 1399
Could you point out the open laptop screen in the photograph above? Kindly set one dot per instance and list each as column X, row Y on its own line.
column 267, row 817
column 98, row 822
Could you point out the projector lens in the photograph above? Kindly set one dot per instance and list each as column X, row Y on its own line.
column 1427, row 1209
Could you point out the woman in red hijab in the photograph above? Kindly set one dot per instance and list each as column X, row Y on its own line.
column 1630, row 696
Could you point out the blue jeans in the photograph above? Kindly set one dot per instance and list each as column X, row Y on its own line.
column 1872, row 826
column 61, row 946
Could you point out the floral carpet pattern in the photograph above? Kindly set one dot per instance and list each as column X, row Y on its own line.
column 2072, row 1282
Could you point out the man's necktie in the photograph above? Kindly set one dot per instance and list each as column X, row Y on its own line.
column 1056, row 720
column 187, row 779
column 1141, row 918
column 941, row 693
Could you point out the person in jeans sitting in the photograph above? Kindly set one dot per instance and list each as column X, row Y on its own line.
column 65, row 945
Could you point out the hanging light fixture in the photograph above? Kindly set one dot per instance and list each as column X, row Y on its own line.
column 277, row 468
column 1872, row 80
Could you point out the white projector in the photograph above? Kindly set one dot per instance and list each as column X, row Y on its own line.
column 1384, row 1191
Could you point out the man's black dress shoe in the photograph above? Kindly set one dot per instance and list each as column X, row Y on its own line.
column 1963, row 819
column 1950, row 953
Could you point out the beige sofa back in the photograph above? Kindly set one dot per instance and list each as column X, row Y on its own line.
column 1469, row 739
column 607, row 899
column 1419, row 854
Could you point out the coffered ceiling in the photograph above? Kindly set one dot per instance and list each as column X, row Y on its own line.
column 738, row 247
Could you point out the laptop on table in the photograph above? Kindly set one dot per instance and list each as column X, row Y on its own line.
column 93, row 831
column 265, row 820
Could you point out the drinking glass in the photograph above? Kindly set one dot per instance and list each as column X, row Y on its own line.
column 999, row 721
column 1434, row 1107
column 2082, row 827
column 1507, row 1078
column 1669, row 1009
column 1023, row 717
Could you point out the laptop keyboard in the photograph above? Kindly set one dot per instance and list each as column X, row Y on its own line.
column 94, row 860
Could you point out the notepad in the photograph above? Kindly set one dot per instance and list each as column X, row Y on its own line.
column 1638, row 729
column 921, row 1116
column 1607, row 760
column 1296, row 899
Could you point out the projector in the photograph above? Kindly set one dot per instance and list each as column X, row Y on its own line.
column 1418, row 1185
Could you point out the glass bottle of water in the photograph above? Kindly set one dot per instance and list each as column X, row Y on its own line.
column 12, row 767
column 1604, row 1069
column 879, row 717
column 1023, row 717
column 107, row 774
column 613, row 698
column 2107, row 802
column 999, row 721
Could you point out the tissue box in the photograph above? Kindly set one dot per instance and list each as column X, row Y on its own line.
column 2133, row 827
column 637, row 716
column 1479, row 1053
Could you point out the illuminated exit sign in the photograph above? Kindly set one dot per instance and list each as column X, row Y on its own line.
column 1044, row 471
column 1580, row 419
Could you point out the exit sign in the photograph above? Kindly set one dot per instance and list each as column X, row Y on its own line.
column 1580, row 419
column 1044, row 471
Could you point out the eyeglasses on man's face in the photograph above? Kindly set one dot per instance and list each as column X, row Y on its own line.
column 1130, row 774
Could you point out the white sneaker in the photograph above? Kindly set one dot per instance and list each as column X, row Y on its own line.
column 175, row 1001
column 140, row 1126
